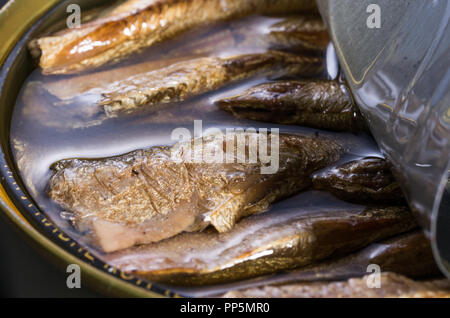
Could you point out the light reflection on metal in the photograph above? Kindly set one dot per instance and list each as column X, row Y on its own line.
column 399, row 75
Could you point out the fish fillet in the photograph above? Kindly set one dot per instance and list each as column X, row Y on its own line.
column 392, row 286
column 149, row 195
column 322, row 104
column 138, row 24
column 261, row 244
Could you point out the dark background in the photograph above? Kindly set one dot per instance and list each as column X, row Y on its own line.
column 25, row 273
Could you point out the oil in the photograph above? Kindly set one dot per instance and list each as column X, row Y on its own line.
column 56, row 117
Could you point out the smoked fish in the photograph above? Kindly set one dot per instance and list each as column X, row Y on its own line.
column 261, row 244
column 295, row 33
column 322, row 104
column 290, row 33
column 366, row 180
column 406, row 254
column 137, row 24
column 391, row 286
column 149, row 195
column 189, row 78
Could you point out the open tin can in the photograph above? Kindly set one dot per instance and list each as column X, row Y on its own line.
column 396, row 79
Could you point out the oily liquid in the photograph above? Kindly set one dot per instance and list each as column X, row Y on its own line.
column 46, row 128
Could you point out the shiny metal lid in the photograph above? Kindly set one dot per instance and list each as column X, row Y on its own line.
column 395, row 56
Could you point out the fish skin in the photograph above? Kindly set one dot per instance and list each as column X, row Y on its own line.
column 241, row 35
column 392, row 286
column 189, row 78
column 197, row 44
column 322, row 104
column 140, row 24
column 261, row 244
column 115, row 84
column 407, row 254
column 294, row 33
column 364, row 180
column 149, row 195
column 301, row 33
column 68, row 89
